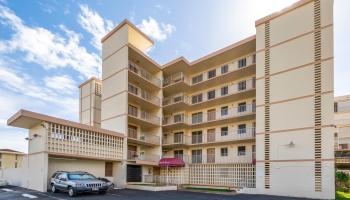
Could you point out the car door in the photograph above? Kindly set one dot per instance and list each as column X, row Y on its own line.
column 61, row 182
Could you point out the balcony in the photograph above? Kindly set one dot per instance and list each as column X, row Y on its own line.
column 245, row 112
column 230, row 137
column 145, row 139
column 175, row 83
column 177, row 121
column 142, row 117
column 143, row 97
column 143, row 158
column 139, row 75
column 240, row 157
column 176, row 141
column 176, row 102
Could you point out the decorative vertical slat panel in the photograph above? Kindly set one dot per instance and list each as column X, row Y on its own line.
column 267, row 105
column 318, row 99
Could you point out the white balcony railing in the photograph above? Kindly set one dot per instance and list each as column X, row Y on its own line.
column 143, row 115
column 175, row 119
column 175, row 78
column 144, row 137
column 144, row 94
column 144, row 156
column 144, row 74
column 231, row 90
column 176, row 140
column 239, row 157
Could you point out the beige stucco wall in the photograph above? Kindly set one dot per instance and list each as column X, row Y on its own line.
column 292, row 115
column 9, row 160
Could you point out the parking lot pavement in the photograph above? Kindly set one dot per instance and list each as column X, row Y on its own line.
column 17, row 193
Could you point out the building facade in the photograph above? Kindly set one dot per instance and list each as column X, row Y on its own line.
column 10, row 158
column 256, row 115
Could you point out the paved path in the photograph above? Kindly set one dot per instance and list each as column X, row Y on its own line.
column 17, row 193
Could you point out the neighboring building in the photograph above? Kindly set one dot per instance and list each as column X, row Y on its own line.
column 10, row 158
column 342, row 139
column 256, row 114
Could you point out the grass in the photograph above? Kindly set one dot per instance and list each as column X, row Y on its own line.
column 342, row 195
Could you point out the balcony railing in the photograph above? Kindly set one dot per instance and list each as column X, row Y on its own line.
column 176, row 99
column 176, row 139
column 246, row 157
column 143, row 115
column 175, row 78
column 239, row 134
column 148, row 138
column 175, row 119
column 144, row 156
column 223, row 114
column 144, row 74
column 143, row 94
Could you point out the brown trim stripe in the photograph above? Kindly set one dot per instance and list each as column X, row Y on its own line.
column 295, row 129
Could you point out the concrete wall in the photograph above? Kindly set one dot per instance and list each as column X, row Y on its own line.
column 9, row 160
column 90, row 103
column 286, row 116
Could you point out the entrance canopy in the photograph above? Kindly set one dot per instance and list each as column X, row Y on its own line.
column 171, row 162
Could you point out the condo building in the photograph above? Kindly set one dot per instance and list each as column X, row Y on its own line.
column 256, row 116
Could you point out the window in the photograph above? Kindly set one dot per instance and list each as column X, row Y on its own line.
column 211, row 114
column 179, row 154
column 197, row 98
column 335, row 106
column 254, row 58
column 211, row 73
column 197, row 137
column 197, row 118
column 177, row 99
column 224, row 131
column 224, row 90
column 224, row 69
column 242, row 129
column 242, row 63
column 242, row 107
column 211, row 155
column 132, row 110
column 197, row 156
column 178, row 118
column 197, row 79
column 133, row 68
column 108, row 169
column 242, row 85
column 224, row 151
column 178, row 137
column 0, row 164
column 211, row 94
column 224, row 110
column 241, row 151
column 132, row 131
column 133, row 89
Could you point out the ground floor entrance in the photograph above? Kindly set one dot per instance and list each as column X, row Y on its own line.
column 134, row 173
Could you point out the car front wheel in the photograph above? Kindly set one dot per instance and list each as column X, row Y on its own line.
column 102, row 192
column 54, row 189
column 71, row 192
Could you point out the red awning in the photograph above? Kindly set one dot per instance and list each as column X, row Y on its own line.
column 171, row 162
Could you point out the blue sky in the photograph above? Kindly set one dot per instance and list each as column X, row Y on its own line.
column 48, row 47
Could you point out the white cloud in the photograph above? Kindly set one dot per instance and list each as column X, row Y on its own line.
column 93, row 23
column 48, row 49
column 157, row 31
column 62, row 83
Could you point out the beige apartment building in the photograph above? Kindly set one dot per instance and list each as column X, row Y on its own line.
column 256, row 116
column 10, row 158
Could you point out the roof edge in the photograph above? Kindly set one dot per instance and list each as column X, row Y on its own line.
column 121, row 24
column 282, row 12
column 90, row 79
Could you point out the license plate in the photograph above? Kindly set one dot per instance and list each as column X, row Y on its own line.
column 94, row 189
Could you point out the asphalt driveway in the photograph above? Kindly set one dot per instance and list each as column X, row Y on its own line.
column 17, row 193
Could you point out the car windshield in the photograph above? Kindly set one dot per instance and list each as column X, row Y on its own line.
column 81, row 177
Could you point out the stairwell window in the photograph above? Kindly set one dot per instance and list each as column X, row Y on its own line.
column 197, row 79
column 224, row 69
column 224, row 152
column 241, row 151
column 242, row 63
column 224, row 110
column 211, row 94
column 224, row 90
column 211, row 73
column 224, row 131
